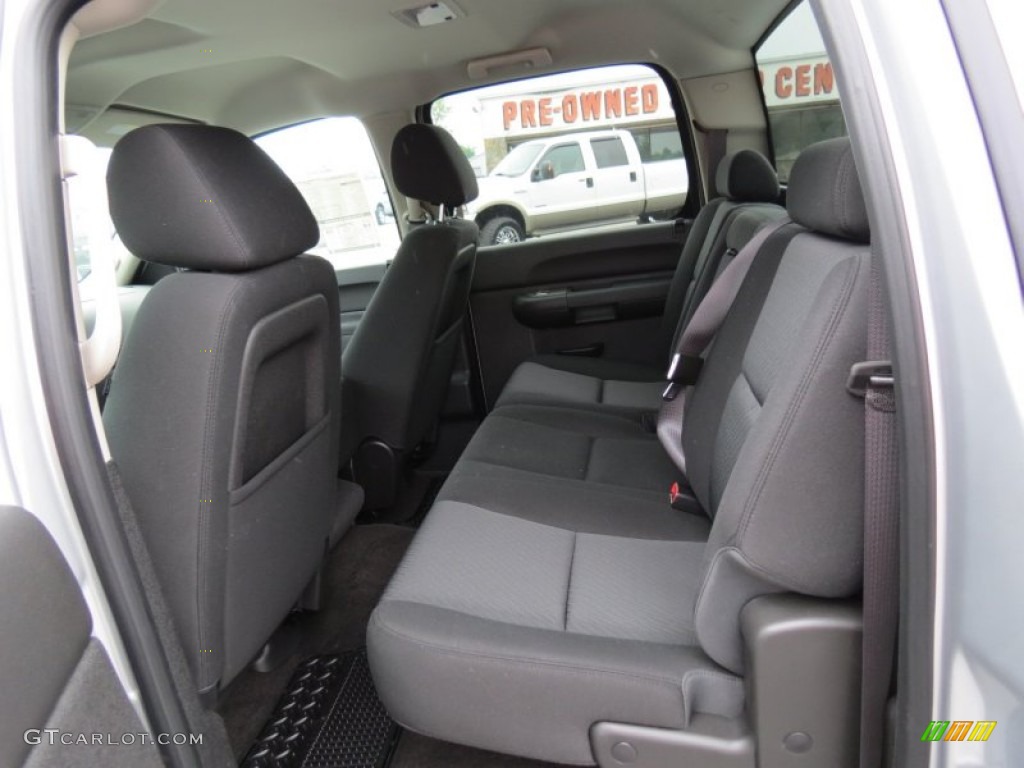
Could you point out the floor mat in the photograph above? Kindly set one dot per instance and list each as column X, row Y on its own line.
column 355, row 575
column 328, row 717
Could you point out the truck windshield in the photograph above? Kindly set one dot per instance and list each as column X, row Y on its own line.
column 518, row 160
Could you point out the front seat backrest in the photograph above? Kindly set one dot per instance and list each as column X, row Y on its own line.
column 223, row 414
column 398, row 364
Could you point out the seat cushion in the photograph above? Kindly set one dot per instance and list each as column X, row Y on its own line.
column 538, row 383
column 597, row 448
column 586, row 507
column 602, row 367
column 489, row 611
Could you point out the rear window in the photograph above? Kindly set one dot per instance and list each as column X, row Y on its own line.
column 799, row 88
column 567, row 153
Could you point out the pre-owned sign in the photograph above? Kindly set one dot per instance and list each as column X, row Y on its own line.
column 575, row 109
column 582, row 106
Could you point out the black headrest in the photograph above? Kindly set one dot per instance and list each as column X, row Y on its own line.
column 205, row 198
column 824, row 192
column 428, row 165
column 746, row 176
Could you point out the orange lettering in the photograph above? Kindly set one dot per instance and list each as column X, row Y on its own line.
column 613, row 102
column 649, row 98
column 824, row 79
column 803, row 80
column 508, row 113
column 783, row 89
column 570, row 108
column 544, row 105
column 528, row 109
column 590, row 104
column 632, row 98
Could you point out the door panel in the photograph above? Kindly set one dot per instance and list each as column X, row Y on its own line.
column 53, row 675
column 600, row 293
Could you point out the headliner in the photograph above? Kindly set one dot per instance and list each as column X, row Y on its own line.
column 260, row 64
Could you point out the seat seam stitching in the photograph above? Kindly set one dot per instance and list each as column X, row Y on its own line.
column 611, row 488
column 202, row 543
column 568, row 585
column 200, row 175
column 626, row 489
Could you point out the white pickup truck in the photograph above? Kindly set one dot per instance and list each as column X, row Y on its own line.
column 573, row 180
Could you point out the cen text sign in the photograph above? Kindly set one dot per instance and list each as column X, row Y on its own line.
column 798, row 81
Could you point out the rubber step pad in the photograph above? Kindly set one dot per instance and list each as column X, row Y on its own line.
column 328, row 717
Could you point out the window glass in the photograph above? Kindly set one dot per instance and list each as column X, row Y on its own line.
column 333, row 164
column 799, row 88
column 658, row 144
column 525, row 138
column 91, row 227
column 609, row 153
column 518, row 161
column 565, row 158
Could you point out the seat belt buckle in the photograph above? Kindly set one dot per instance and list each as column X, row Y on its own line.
column 870, row 374
column 680, row 497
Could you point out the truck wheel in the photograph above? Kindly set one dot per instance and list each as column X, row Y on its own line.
column 501, row 230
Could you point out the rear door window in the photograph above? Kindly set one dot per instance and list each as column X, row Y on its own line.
column 609, row 153
column 560, row 154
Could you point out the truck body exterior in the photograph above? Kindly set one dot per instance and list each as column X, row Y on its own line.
column 573, row 180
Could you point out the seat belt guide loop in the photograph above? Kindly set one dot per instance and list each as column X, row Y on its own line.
column 871, row 374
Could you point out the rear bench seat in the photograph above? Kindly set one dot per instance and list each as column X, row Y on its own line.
column 552, row 587
column 749, row 188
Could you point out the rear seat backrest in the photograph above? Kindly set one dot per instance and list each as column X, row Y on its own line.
column 774, row 443
column 747, row 184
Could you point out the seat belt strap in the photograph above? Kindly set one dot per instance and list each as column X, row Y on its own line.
column 687, row 357
column 874, row 381
column 722, row 213
column 687, row 360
